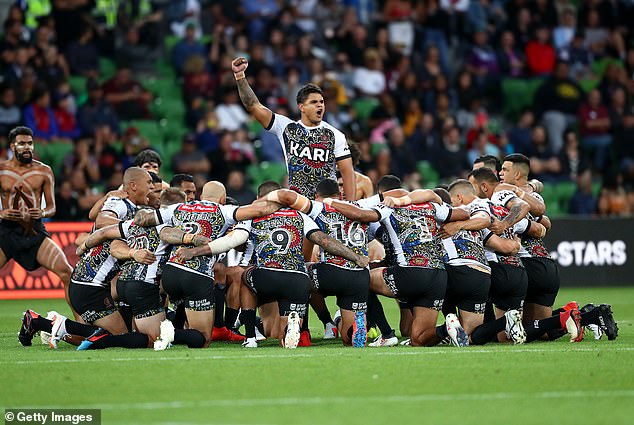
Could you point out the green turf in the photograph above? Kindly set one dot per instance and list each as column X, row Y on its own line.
column 539, row 383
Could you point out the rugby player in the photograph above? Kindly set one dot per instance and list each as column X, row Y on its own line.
column 185, row 182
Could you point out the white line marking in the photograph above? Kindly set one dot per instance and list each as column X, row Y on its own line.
column 240, row 357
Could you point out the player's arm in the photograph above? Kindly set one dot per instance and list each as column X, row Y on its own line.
column 480, row 220
column 535, row 230
column 231, row 240
column 94, row 211
column 346, row 168
column 517, row 211
column 121, row 251
column 146, row 217
column 107, row 233
column 418, row 196
column 353, row 212
column 175, row 236
column 48, row 189
column 247, row 96
column 106, row 218
column 257, row 209
column 335, row 247
column 502, row 245
column 537, row 206
column 545, row 221
column 290, row 199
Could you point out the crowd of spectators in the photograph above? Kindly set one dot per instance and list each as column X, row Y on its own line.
column 408, row 81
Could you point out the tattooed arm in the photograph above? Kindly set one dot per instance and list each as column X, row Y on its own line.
column 517, row 211
column 175, row 236
column 247, row 96
column 335, row 247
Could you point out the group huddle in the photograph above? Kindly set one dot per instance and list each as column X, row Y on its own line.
column 473, row 252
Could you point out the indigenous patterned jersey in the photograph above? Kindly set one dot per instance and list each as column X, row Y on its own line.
column 198, row 218
column 500, row 212
column 351, row 233
column 412, row 232
column 138, row 237
column 467, row 246
column 311, row 152
column 277, row 239
column 97, row 267
column 531, row 246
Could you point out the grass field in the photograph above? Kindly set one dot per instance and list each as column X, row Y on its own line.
column 539, row 383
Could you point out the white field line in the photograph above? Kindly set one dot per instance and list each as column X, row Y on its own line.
column 81, row 357
column 403, row 398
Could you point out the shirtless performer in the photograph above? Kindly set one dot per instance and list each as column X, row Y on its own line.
column 23, row 237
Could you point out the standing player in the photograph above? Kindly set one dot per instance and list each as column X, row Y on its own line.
column 23, row 237
column 185, row 182
column 313, row 148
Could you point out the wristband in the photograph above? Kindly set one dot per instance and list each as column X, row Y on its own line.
column 238, row 75
column 273, row 196
column 405, row 200
column 301, row 202
column 188, row 238
column 43, row 213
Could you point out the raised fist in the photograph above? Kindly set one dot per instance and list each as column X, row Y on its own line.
column 239, row 65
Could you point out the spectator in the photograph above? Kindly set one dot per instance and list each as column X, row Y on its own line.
column 53, row 70
column 82, row 160
column 230, row 113
column 17, row 66
column 369, row 80
column 482, row 61
column 520, row 136
column 402, row 154
column 521, row 26
column 545, row 164
column 510, row 59
column 482, row 146
column 594, row 123
column 68, row 198
column 187, row 47
column 565, row 32
column 540, row 55
column 130, row 53
column 64, row 117
column 82, row 54
column 583, row 201
column 190, row 160
column 39, row 116
column 622, row 122
column 237, row 189
column 613, row 200
column 96, row 112
column 198, row 81
column 573, row 161
column 127, row 96
column 578, row 57
column 260, row 14
column 557, row 101
column 450, row 159
column 85, row 195
column 10, row 115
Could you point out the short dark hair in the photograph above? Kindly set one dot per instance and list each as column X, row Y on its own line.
column 231, row 201
column 268, row 187
column 444, row 195
column 460, row 184
column 484, row 174
column 327, row 188
column 178, row 179
column 19, row 131
column 489, row 161
column 388, row 182
column 305, row 91
column 521, row 160
column 172, row 195
column 147, row 155
column 155, row 177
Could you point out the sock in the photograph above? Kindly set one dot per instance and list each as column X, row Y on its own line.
column 487, row 332
column 190, row 337
column 376, row 307
column 538, row 328
column 43, row 324
column 441, row 332
column 559, row 310
column 129, row 340
column 219, row 294
column 259, row 324
column 324, row 316
column 305, row 322
column 231, row 315
column 248, row 318
column 590, row 317
column 180, row 316
column 81, row 329
column 489, row 313
column 126, row 312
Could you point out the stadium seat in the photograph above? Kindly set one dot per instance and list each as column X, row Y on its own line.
column 54, row 154
column 107, row 68
column 429, row 175
column 550, row 197
column 364, row 107
column 518, row 94
column 564, row 192
column 259, row 173
column 148, row 129
column 77, row 84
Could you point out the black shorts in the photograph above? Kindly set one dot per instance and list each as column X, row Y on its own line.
column 350, row 286
column 91, row 302
column 194, row 290
column 467, row 288
column 143, row 298
column 20, row 247
column 290, row 289
column 508, row 286
column 543, row 280
column 418, row 286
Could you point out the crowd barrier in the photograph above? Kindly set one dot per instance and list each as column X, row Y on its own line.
column 590, row 252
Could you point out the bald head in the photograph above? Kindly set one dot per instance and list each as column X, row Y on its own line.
column 134, row 174
column 214, row 191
